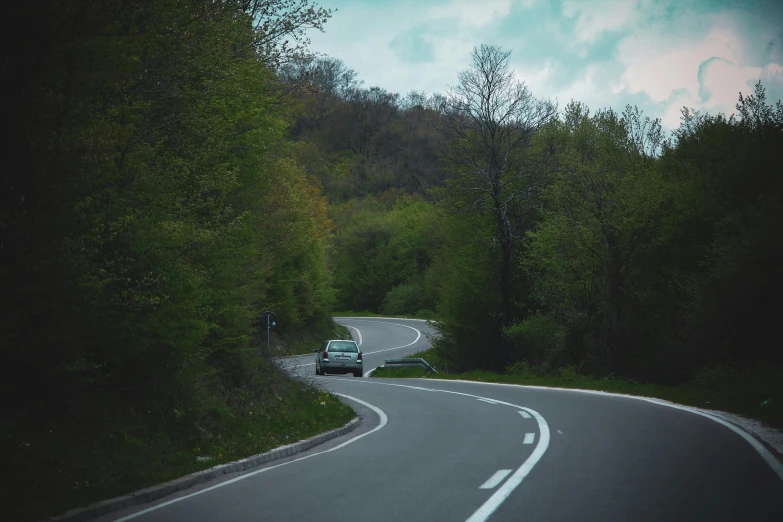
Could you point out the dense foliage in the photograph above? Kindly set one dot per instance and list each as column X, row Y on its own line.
column 602, row 242
column 166, row 181
column 152, row 209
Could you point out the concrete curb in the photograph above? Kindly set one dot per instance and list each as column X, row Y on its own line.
column 162, row 490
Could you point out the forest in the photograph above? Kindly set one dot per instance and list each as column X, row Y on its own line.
column 177, row 168
column 552, row 236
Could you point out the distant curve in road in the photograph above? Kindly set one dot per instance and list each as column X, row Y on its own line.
column 457, row 451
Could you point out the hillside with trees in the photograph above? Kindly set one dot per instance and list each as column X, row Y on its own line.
column 152, row 209
column 546, row 237
column 176, row 169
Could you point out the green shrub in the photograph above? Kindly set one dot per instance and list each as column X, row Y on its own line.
column 425, row 313
column 405, row 298
column 569, row 373
column 537, row 338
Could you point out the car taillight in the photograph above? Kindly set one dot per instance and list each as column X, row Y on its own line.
column 326, row 356
column 359, row 358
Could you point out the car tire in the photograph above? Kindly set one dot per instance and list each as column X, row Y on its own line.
column 357, row 373
column 317, row 369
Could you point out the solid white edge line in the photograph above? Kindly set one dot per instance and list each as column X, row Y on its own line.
column 491, row 505
column 418, row 336
column 490, row 401
column 381, row 415
column 530, row 438
column 763, row 452
column 495, row 479
column 373, row 318
column 524, row 414
column 357, row 331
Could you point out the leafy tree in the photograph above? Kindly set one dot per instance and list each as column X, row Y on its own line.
column 152, row 210
column 601, row 216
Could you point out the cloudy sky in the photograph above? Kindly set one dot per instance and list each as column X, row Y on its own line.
column 657, row 54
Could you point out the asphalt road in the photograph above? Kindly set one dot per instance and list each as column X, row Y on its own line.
column 457, row 451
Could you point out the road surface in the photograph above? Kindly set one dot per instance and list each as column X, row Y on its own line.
column 457, row 451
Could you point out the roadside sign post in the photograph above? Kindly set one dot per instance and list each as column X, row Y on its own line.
column 268, row 321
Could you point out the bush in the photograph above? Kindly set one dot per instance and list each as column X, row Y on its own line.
column 538, row 338
column 569, row 373
column 425, row 313
column 720, row 379
column 521, row 368
column 405, row 298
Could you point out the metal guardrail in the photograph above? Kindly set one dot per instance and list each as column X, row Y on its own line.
column 409, row 362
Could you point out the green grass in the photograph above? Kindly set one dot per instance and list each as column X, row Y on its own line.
column 366, row 313
column 403, row 372
column 130, row 449
column 718, row 389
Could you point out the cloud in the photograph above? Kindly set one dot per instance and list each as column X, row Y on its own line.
column 470, row 12
column 704, row 70
column 412, row 46
column 595, row 18
column 657, row 63
column 722, row 80
column 476, row 13
column 659, row 55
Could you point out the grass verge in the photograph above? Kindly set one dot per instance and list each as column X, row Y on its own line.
column 723, row 389
column 304, row 341
column 58, row 467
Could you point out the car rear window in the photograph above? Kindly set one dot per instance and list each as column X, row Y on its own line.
column 343, row 346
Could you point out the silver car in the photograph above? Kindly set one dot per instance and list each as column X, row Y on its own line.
column 338, row 356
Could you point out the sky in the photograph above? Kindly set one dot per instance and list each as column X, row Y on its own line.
column 658, row 55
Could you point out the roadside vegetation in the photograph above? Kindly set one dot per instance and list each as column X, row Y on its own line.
column 746, row 393
column 558, row 239
column 421, row 314
column 152, row 209
column 176, row 169
column 302, row 341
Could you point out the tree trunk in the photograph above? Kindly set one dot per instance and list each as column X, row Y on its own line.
column 505, row 266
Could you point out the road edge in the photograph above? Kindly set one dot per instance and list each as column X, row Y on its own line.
column 152, row 493
column 725, row 418
column 384, row 317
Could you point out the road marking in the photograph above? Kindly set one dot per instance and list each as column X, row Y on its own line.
column 490, row 401
column 365, row 318
column 495, row 479
column 764, row 453
column 380, row 412
column 530, row 438
column 503, row 492
column 418, row 336
column 358, row 332
column 524, row 414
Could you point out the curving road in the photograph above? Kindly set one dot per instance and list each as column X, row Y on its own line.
column 457, row 451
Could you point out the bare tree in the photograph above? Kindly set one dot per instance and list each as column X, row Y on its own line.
column 490, row 118
column 278, row 22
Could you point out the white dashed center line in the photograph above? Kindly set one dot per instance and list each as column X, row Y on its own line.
column 488, row 401
column 495, row 479
column 530, row 438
